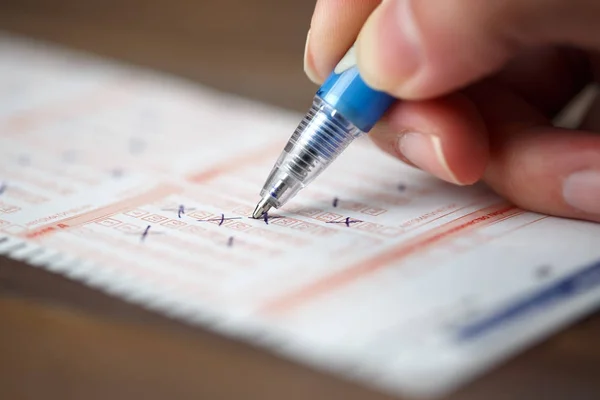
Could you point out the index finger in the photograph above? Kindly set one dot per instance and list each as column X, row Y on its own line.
column 334, row 27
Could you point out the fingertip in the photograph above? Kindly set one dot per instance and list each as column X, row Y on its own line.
column 549, row 170
column 388, row 53
column 335, row 25
column 309, row 67
column 445, row 137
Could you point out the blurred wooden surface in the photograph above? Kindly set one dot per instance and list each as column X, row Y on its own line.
column 252, row 47
column 61, row 340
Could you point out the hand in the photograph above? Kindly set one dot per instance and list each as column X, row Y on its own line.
column 480, row 82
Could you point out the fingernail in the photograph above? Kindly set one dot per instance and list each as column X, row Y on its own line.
column 581, row 190
column 426, row 152
column 309, row 69
column 388, row 46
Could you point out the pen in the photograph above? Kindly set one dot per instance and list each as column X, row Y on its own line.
column 343, row 108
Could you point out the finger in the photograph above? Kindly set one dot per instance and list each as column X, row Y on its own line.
column 334, row 27
column 537, row 166
column 418, row 49
column 445, row 137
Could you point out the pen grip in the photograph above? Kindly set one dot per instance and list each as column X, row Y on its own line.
column 347, row 92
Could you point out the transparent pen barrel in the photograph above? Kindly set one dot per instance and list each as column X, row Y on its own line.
column 320, row 137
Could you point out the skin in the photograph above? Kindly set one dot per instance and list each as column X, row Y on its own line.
column 479, row 83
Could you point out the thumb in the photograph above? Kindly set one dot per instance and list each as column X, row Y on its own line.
column 426, row 48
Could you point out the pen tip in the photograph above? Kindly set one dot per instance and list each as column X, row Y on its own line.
column 263, row 206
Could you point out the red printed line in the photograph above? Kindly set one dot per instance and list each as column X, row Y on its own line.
column 150, row 196
column 436, row 217
column 515, row 229
column 337, row 280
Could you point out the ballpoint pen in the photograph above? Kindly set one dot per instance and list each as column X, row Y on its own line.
column 343, row 108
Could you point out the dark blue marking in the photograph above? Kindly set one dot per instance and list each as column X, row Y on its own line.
column 569, row 287
column 347, row 221
column 181, row 211
column 221, row 219
column 145, row 233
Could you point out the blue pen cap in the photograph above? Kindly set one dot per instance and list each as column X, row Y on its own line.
column 349, row 95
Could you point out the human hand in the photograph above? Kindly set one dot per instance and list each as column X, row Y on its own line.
column 480, row 82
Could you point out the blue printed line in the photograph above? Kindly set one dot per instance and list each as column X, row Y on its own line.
column 580, row 282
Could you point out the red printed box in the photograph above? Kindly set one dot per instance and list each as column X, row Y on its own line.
column 109, row 222
column 136, row 213
column 194, row 230
column 155, row 218
column 129, row 228
column 200, row 215
column 238, row 226
column 305, row 226
column 328, row 217
column 374, row 211
column 173, row 223
column 368, row 226
column 309, row 212
column 259, row 232
column 284, row 221
column 217, row 220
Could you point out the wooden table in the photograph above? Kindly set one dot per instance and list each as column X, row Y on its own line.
column 61, row 340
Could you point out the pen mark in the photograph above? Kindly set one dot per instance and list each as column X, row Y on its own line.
column 335, row 201
column 179, row 210
column 116, row 173
column 145, row 233
column 2, row 187
column 267, row 217
column 230, row 241
column 221, row 220
column 402, row 187
column 347, row 221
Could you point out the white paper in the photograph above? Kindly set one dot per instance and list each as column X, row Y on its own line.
column 93, row 153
